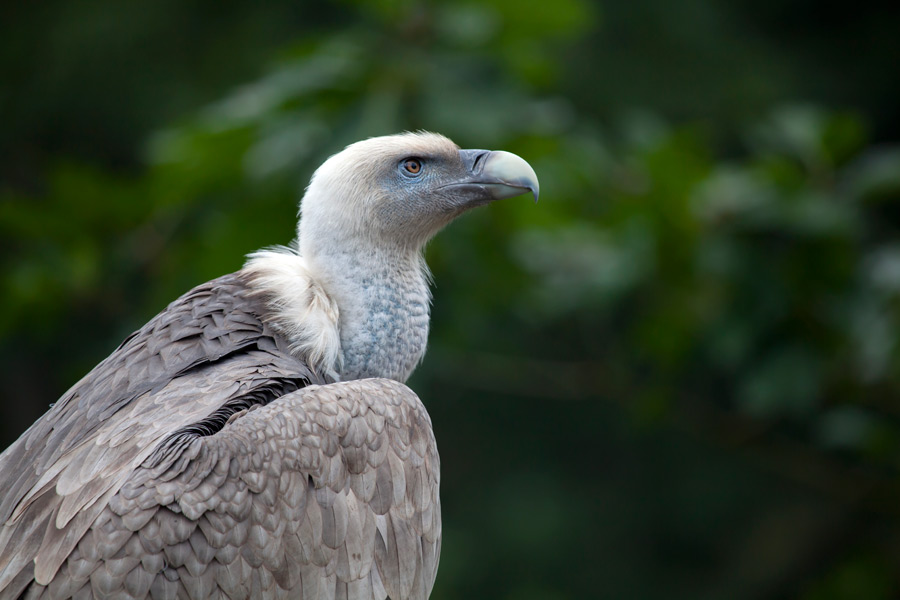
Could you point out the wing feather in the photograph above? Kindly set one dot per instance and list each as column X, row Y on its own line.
column 209, row 354
column 185, row 465
column 278, row 522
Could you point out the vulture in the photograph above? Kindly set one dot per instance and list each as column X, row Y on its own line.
column 255, row 439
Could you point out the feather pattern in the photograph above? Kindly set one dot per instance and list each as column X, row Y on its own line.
column 298, row 307
column 307, row 532
column 187, row 465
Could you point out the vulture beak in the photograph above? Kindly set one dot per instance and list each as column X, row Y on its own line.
column 493, row 175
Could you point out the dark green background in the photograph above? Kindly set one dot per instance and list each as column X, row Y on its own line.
column 677, row 376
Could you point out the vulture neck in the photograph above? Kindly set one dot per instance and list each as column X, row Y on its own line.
column 349, row 314
column 383, row 300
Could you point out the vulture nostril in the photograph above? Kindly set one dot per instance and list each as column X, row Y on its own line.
column 477, row 165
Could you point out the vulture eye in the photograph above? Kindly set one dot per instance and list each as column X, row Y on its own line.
column 412, row 167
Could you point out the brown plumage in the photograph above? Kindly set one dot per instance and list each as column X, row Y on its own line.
column 215, row 454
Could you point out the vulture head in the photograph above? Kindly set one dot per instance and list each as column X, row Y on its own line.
column 400, row 190
column 352, row 297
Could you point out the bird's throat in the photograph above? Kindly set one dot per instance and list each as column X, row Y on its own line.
column 384, row 304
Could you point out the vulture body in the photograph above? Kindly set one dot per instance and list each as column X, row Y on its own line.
column 255, row 439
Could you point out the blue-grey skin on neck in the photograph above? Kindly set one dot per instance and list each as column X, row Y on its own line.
column 384, row 305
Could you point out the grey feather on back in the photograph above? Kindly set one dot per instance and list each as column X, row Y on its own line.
column 207, row 354
column 195, row 463
column 327, row 492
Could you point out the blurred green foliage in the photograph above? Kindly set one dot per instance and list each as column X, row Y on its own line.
column 675, row 377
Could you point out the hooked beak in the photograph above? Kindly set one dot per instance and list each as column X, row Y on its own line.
column 493, row 175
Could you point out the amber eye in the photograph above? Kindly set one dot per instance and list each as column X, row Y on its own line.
column 412, row 166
